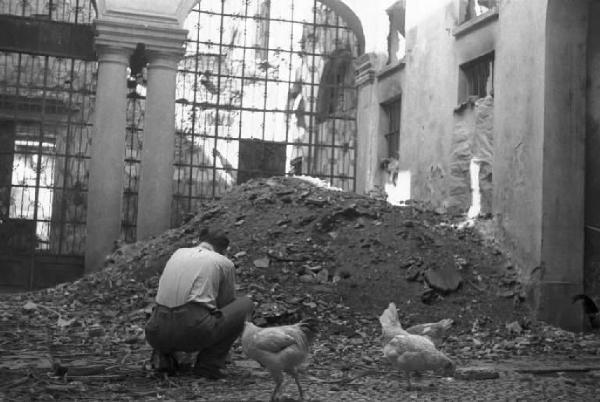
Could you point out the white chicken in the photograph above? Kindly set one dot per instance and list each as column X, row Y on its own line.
column 279, row 349
column 409, row 352
column 391, row 326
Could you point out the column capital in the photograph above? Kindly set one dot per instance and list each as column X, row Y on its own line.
column 162, row 59
column 113, row 54
column 157, row 39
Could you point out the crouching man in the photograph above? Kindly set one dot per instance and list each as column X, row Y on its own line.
column 197, row 310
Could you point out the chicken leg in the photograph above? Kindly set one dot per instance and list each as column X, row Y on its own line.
column 278, row 377
column 294, row 373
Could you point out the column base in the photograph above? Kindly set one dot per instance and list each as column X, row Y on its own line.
column 555, row 306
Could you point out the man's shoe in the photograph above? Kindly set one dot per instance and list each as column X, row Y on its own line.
column 163, row 362
column 212, row 373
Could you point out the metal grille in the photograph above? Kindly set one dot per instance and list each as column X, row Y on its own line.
column 74, row 11
column 265, row 88
column 46, row 104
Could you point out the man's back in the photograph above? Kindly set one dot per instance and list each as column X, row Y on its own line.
column 199, row 275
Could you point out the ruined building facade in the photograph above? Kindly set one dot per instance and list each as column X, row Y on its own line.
column 118, row 118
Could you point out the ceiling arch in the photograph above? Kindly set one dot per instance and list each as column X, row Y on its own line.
column 341, row 9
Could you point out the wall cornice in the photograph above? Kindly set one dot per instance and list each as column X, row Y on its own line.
column 168, row 41
column 157, row 12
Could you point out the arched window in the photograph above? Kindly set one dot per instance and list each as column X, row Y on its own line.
column 250, row 96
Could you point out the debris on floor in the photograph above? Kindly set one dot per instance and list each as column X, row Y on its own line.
column 301, row 250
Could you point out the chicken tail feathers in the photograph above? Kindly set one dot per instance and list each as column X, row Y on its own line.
column 309, row 327
column 589, row 306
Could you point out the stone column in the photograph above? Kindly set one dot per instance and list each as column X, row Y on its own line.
column 155, row 193
column 107, row 156
column 367, row 122
column 563, row 169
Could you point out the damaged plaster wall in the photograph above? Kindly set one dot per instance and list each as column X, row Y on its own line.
column 472, row 140
column 429, row 98
column 434, row 55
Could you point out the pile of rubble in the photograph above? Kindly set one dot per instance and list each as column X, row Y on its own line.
column 303, row 249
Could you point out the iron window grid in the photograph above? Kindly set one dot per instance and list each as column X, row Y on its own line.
column 235, row 107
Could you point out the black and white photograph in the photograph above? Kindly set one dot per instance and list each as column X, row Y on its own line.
column 299, row 200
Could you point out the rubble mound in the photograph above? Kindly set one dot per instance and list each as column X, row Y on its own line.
column 301, row 250
column 297, row 243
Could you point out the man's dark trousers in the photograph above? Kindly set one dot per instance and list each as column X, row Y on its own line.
column 195, row 327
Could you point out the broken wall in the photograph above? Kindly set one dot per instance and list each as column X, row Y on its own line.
column 429, row 97
column 472, row 140
column 436, row 48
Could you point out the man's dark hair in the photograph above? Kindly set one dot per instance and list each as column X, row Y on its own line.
column 218, row 239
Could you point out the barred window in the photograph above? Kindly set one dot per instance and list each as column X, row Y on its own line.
column 477, row 78
column 265, row 87
column 392, row 134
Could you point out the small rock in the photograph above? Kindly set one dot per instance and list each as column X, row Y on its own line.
column 429, row 296
column 413, row 274
column 262, row 262
column 308, row 278
column 514, row 328
column 319, row 202
column 476, row 373
column 445, row 278
column 248, row 364
column 95, row 332
column 323, row 276
column 506, row 294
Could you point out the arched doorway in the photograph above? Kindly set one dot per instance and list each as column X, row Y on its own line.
column 265, row 88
